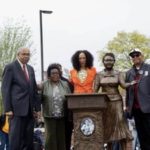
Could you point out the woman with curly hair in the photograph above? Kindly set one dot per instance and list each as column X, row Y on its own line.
column 83, row 73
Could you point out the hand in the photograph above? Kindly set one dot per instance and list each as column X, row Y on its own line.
column 133, row 82
column 9, row 113
column 40, row 86
column 37, row 115
column 126, row 109
column 128, row 113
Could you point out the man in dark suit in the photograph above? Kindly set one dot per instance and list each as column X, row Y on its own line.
column 138, row 97
column 21, row 101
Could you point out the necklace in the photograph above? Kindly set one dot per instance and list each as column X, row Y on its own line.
column 82, row 74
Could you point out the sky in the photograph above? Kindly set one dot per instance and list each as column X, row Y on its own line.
column 77, row 24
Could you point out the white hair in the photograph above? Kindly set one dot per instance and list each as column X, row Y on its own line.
column 20, row 49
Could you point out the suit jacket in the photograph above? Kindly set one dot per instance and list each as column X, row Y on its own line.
column 143, row 88
column 19, row 95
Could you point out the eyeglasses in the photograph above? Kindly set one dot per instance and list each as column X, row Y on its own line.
column 135, row 55
column 109, row 60
column 55, row 73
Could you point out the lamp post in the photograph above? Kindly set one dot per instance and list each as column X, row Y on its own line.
column 41, row 40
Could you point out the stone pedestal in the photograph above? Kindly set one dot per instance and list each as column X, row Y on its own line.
column 87, row 117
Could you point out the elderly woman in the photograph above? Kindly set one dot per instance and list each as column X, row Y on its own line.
column 83, row 73
column 109, row 80
column 53, row 100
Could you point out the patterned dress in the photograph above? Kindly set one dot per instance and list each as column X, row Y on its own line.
column 115, row 124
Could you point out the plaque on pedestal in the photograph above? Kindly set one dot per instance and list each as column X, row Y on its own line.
column 88, row 122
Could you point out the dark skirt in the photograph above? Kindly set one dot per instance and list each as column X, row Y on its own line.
column 55, row 134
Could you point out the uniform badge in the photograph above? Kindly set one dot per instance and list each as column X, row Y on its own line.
column 146, row 73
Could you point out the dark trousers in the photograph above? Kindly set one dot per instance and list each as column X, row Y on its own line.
column 21, row 133
column 142, row 122
column 4, row 142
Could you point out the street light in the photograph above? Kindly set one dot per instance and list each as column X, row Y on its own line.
column 41, row 40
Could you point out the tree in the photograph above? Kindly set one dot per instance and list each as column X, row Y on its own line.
column 123, row 43
column 13, row 34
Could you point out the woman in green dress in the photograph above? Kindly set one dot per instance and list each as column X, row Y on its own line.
column 53, row 102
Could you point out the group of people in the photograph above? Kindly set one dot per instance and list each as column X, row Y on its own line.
column 22, row 102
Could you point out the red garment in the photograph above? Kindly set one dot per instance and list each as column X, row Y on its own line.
column 136, row 100
column 87, row 85
column 25, row 72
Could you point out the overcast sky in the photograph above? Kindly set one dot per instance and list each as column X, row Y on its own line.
column 77, row 24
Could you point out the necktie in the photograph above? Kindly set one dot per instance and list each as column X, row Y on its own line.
column 25, row 73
